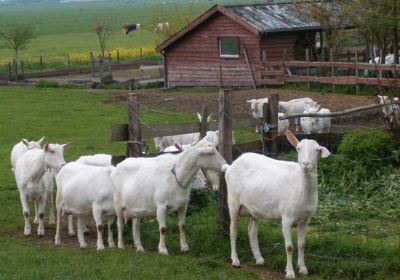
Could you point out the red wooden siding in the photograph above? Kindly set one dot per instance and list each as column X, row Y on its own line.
column 194, row 60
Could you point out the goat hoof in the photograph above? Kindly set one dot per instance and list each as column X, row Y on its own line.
column 185, row 248
column 83, row 245
column 27, row 232
column 111, row 245
column 71, row 233
column 139, row 248
column 236, row 263
column 99, row 248
column 40, row 233
column 52, row 221
column 260, row 261
column 57, row 241
column 36, row 220
column 163, row 251
column 121, row 245
column 303, row 271
column 290, row 274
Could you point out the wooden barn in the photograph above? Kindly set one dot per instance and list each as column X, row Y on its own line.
column 226, row 45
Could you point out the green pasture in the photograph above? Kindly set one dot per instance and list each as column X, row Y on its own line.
column 350, row 237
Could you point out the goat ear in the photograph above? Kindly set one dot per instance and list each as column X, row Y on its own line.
column 46, row 147
column 207, row 150
column 179, row 147
column 40, row 141
column 325, row 152
column 199, row 116
column 209, row 118
column 66, row 145
column 25, row 142
column 291, row 138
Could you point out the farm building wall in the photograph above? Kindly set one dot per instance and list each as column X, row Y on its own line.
column 195, row 61
column 294, row 43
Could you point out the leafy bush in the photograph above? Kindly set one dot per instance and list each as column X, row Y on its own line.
column 47, row 84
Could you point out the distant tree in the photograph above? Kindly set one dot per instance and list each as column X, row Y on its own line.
column 103, row 33
column 17, row 38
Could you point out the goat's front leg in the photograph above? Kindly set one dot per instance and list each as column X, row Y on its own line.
column 181, row 222
column 25, row 212
column 253, row 231
column 36, row 220
column 287, row 234
column 162, row 225
column 301, row 237
column 81, row 236
column 71, row 230
column 41, row 206
column 136, row 234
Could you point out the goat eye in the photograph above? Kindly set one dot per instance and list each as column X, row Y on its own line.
column 319, row 150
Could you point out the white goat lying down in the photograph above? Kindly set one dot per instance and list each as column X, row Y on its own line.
column 147, row 187
column 390, row 112
column 34, row 180
column 83, row 190
column 315, row 124
column 267, row 189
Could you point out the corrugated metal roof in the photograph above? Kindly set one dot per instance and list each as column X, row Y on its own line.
column 275, row 17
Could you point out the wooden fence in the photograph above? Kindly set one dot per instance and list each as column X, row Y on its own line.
column 338, row 73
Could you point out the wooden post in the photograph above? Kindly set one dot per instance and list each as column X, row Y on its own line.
column 92, row 64
column 266, row 120
column 308, row 68
column 249, row 67
column 203, row 123
column 382, row 62
column 109, row 64
column 283, row 66
column 15, row 69
column 221, row 80
column 225, row 149
column 134, row 126
column 273, row 102
column 9, row 71
column 22, row 68
column 356, row 60
column 332, row 71
column 101, row 68
column 68, row 60
column 41, row 63
column 117, row 56
column 141, row 54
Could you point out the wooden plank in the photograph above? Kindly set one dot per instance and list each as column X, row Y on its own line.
column 134, row 126
column 119, row 132
column 249, row 68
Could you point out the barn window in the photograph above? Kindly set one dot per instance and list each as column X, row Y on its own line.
column 229, row 47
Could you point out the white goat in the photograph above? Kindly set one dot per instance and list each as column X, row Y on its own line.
column 83, row 190
column 34, row 181
column 146, row 187
column 256, row 106
column 103, row 160
column 283, row 125
column 268, row 189
column 163, row 142
column 315, row 124
column 297, row 106
column 390, row 112
column 161, row 26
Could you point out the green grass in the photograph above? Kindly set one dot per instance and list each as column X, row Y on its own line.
column 343, row 242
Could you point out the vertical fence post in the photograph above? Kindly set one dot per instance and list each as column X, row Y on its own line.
column 332, row 71
column 68, row 60
column 283, row 66
column 117, row 56
column 101, row 68
column 9, row 71
column 308, row 68
column 15, row 68
column 109, row 64
column 203, row 123
column 134, row 126
column 357, row 87
column 266, row 120
column 141, row 54
column 273, row 102
column 225, row 148
column 221, row 79
column 92, row 64
column 41, row 63
column 22, row 68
